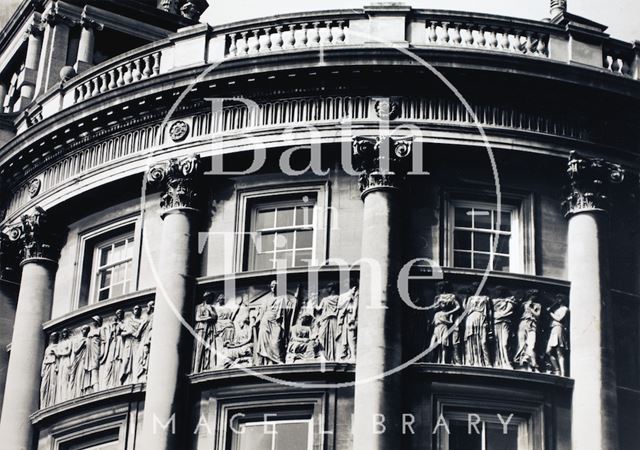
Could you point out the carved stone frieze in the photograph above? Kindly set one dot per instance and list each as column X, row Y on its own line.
column 591, row 181
column 35, row 236
column 101, row 354
column 179, row 180
column 382, row 161
column 273, row 328
column 505, row 329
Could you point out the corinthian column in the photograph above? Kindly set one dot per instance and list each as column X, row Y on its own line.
column 39, row 262
column 377, row 409
column 594, row 409
column 165, row 409
column 86, row 46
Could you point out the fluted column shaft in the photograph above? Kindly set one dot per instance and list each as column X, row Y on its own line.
column 165, row 410
column 594, row 409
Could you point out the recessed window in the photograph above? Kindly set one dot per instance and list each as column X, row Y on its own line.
column 283, row 234
column 473, row 431
column 112, row 267
column 273, row 435
column 477, row 229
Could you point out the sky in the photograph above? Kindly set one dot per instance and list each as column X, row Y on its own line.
column 620, row 15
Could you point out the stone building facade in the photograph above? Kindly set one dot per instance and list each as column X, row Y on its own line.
column 378, row 228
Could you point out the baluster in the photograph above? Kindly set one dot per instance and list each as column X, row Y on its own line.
column 621, row 68
column 112, row 79
column 146, row 72
column 468, row 37
column 137, row 73
column 290, row 39
column 493, row 39
column 432, row 36
column 79, row 94
column 254, row 44
column 301, row 41
column 232, row 45
column 541, row 48
column 87, row 89
column 276, row 39
column 518, row 47
column 327, row 38
column 96, row 86
column 315, row 35
column 482, row 40
column 120, row 76
column 456, row 38
column 128, row 75
column 103, row 83
column 504, row 40
column 615, row 64
column 339, row 35
column 156, row 63
column 445, row 33
column 529, row 45
column 243, row 44
column 265, row 42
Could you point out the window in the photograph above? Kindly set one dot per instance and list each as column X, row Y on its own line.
column 273, row 435
column 112, row 267
column 284, row 234
column 109, row 257
column 477, row 431
column 472, row 231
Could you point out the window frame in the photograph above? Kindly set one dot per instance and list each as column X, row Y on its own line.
column 106, row 424
column 89, row 240
column 233, row 443
column 96, row 269
column 522, row 243
column 250, row 198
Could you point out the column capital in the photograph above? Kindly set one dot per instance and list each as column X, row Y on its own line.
column 193, row 9
column 88, row 22
column 591, row 180
column 35, row 237
column 383, row 161
column 35, row 27
column 53, row 16
column 178, row 180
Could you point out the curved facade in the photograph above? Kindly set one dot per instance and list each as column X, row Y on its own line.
column 375, row 229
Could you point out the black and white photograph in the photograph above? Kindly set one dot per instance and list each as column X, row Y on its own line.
column 319, row 225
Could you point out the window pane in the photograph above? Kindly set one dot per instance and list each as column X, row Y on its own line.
column 503, row 244
column 501, row 263
column 265, row 242
column 304, row 215
column 462, row 240
column 253, row 437
column 480, row 260
column 463, row 217
column 116, row 290
column 497, row 440
column 505, row 224
column 284, row 258
column 292, row 436
column 105, row 278
column 284, row 241
column 285, row 217
column 482, row 242
column 304, row 239
column 461, row 259
column 303, row 258
column 263, row 261
column 481, row 218
column 265, row 219
column 118, row 251
column 460, row 438
column 118, row 274
column 104, row 255
column 104, row 295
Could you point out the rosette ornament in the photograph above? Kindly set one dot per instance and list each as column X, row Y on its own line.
column 179, row 181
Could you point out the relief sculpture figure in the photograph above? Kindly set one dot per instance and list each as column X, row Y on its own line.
column 347, row 327
column 204, row 348
column 476, row 333
column 558, row 344
column 78, row 372
column 526, row 356
column 130, row 336
column 63, row 352
column 239, row 353
column 330, row 308
column 504, row 310
column 446, row 305
column 145, row 344
column 92, row 356
column 302, row 346
column 224, row 328
column 270, row 328
column 49, row 373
